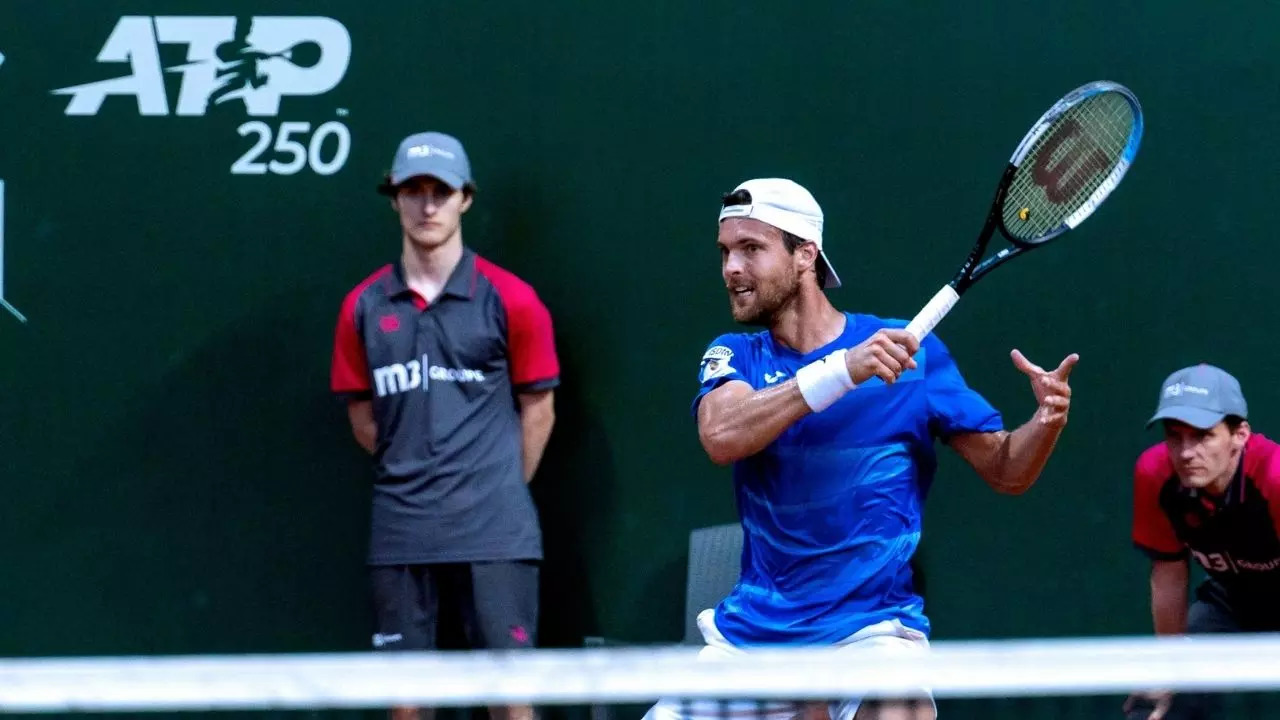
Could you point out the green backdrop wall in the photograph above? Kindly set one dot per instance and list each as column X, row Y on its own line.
column 176, row 477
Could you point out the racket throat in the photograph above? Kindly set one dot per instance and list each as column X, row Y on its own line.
column 969, row 269
column 965, row 275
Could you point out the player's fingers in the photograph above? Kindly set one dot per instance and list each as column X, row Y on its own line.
column 899, row 336
column 1053, row 419
column 1057, row 402
column 899, row 353
column 1063, row 371
column 882, row 344
column 886, row 358
column 883, row 371
column 1057, row 387
column 1021, row 362
column 1054, row 407
column 887, row 351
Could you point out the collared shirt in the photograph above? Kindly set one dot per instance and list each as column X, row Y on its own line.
column 442, row 378
column 831, row 510
column 1234, row 536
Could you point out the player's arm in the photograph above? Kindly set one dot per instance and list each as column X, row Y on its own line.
column 349, row 375
column 1169, row 613
column 736, row 421
column 363, row 426
column 1010, row 462
column 537, row 416
column 1154, row 535
column 535, row 370
column 1169, row 596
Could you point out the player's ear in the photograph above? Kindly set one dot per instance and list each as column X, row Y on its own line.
column 808, row 253
column 1243, row 432
column 467, row 196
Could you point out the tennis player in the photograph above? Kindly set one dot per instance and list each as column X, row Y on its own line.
column 829, row 420
column 1210, row 489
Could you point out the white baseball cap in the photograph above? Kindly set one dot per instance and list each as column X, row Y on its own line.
column 787, row 206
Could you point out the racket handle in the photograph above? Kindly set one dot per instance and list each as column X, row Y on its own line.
column 929, row 317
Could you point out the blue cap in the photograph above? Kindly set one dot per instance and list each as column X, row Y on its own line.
column 1200, row 396
column 432, row 154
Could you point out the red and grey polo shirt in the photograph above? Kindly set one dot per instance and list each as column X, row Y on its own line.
column 1235, row 537
column 443, row 379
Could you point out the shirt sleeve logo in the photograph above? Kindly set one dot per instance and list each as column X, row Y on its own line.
column 715, row 363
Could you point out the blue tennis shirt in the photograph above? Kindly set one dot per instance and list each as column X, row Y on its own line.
column 831, row 510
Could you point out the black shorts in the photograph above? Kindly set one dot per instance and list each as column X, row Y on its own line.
column 496, row 603
column 1217, row 610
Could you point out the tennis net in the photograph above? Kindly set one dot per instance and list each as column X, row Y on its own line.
column 1074, row 678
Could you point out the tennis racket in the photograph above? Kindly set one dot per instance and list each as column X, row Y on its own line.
column 1072, row 159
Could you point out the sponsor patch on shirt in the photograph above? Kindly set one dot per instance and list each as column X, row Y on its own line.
column 715, row 363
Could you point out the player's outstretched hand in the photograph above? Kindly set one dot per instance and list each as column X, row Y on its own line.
column 1053, row 393
column 885, row 355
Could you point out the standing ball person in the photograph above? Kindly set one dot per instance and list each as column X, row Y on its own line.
column 448, row 364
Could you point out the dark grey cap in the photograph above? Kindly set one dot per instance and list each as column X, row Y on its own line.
column 432, row 154
column 1200, row 396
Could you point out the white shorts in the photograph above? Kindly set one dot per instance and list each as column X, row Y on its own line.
column 888, row 635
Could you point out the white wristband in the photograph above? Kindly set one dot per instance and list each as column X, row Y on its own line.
column 822, row 382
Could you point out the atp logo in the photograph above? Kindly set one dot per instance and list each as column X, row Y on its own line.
column 257, row 61
column 232, row 64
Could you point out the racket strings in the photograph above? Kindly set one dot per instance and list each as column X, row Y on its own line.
column 1083, row 146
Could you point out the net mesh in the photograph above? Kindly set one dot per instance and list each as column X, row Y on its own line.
column 1236, row 676
column 1067, row 165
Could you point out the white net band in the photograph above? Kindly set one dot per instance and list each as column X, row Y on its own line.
column 636, row 675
